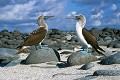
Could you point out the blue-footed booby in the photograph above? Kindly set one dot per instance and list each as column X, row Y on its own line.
column 85, row 38
column 37, row 36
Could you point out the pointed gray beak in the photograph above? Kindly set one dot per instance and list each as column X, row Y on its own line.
column 75, row 18
column 46, row 17
column 71, row 18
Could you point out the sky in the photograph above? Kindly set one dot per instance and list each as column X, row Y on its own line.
column 23, row 14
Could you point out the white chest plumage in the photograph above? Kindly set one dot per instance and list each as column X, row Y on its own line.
column 81, row 38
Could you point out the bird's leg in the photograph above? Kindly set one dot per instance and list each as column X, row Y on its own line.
column 36, row 46
column 84, row 51
column 39, row 46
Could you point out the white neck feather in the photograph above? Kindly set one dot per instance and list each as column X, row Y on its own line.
column 79, row 25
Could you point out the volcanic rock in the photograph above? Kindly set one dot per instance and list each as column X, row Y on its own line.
column 42, row 56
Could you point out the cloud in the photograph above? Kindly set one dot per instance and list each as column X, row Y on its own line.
column 114, row 7
column 27, row 24
column 22, row 13
column 95, row 2
column 73, row 13
column 30, row 9
column 117, row 15
column 98, row 15
column 16, row 12
column 97, row 23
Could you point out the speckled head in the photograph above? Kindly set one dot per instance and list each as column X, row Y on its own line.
column 41, row 19
column 81, row 19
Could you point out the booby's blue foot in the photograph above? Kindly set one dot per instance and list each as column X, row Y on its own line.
column 42, row 46
column 85, row 51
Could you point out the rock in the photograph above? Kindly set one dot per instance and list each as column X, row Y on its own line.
column 107, row 38
column 96, row 32
column 114, row 43
column 55, row 31
column 104, row 34
column 4, row 30
column 8, row 54
column 1, row 36
column 13, row 63
column 112, row 59
column 101, row 42
column 7, row 37
column 48, row 42
column 68, row 37
column 19, row 38
column 11, row 37
column 107, row 29
column 78, row 58
column 10, row 42
column 18, row 42
column 116, row 46
column 16, row 35
column 55, row 36
column 57, row 46
column 42, row 55
column 4, row 40
column 5, row 33
column 117, row 37
column 74, row 38
column 106, row 73
column 87, row 66
column 89, row 77
column 17, row 31
column 1, row 44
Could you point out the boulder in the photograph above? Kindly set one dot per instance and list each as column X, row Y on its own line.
column 101, row 42
column 68, row 37
column 42, row 56
column 96, row 32
column 107, row 29
column 1, row 36
column 4, row 40
column 74, row 38
column 1, row 44
column 16, row 32
column 55, row 36
column 116, row 46
column 114, row 43
column 104, row 34
column 87, row 66
column 107, row 38
column 106, row 73
column 112, row 59
column 8, row 54
column 78, row 58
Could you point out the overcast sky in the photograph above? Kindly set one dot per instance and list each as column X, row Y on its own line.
column 23, row 14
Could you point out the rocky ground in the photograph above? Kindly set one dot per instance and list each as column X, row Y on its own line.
column 59, row 40
column 62, row 59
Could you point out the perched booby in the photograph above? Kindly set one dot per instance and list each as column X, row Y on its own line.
column 85, row 38
column 37, row 36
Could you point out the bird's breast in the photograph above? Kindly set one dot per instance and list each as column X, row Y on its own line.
column 81, row 38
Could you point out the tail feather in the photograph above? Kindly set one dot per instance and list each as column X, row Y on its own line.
column 100, row 49
column 100, row 52
column 20, row 51
column 18, row 47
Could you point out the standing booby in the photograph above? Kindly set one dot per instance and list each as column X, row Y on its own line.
column 37, row 36
column 85, row 38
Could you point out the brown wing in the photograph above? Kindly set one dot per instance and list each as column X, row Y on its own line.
column 89, row 37
column 35, row 37
column 91, row 40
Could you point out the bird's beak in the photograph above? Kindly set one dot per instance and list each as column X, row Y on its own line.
column 70, row 17
column 75, row 17
column 46, row 17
